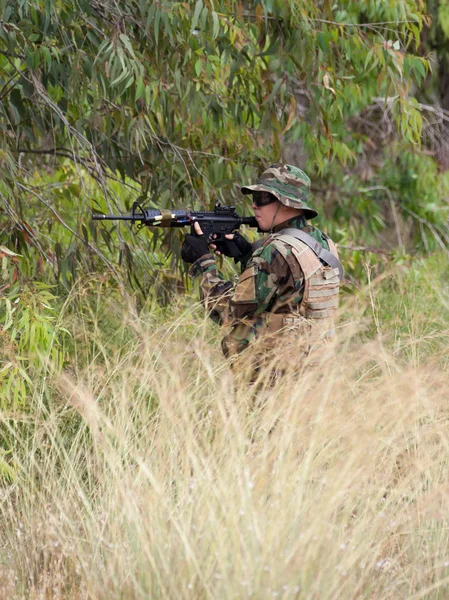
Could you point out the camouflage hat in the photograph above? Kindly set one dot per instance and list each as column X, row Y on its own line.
column 288, row 184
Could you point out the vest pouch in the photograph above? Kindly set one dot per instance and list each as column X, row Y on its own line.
column 287, row 322
column 329, row 273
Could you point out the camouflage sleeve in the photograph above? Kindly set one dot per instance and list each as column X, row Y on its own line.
column 260, row 286
column 215, row 291
column 265, row 283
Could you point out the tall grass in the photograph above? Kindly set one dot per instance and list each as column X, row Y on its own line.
column 151, row 470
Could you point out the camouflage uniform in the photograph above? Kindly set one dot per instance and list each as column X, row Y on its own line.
column 272, row 284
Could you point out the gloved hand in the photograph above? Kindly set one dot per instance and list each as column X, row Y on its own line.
column 235, row 246
column 194, row 247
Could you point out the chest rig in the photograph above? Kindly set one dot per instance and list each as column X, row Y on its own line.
column 321, row 277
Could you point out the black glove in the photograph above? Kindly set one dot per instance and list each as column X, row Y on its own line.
column 236, row 248
column 193, row 248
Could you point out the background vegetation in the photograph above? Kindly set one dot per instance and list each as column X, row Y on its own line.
column 177, row 103
column 149, row 469
column 126, row 442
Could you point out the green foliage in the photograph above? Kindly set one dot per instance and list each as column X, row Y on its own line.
column 180, row 101
column 386, row 212
column 443, row 17
column 416, row 177
column 33, row 348
column 32, row 338
column 413, row 303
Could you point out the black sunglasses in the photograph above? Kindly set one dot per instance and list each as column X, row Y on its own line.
column 263, row 198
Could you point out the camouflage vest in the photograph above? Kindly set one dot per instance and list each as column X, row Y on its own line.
column 321, row 286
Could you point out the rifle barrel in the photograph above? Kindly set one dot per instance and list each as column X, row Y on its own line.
column 114, row 217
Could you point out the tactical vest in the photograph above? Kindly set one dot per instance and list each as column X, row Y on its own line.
column 321, row 287
column 311, row 321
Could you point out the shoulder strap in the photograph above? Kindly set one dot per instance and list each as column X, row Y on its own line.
column 324, row 255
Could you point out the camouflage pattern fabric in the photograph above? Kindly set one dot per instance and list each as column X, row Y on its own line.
column 288, row 184
column 269, row 283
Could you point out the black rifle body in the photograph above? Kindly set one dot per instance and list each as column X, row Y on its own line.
column 214, row 224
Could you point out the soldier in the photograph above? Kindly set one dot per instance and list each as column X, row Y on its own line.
column 289, row 282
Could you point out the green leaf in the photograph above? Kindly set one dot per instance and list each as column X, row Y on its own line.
column 104, row 50
column 418, row 63
column 150, row 17
column 196, row 15
column 126, row 42
column 36, row 59
column 120, row 78
column 8, row 251
column 47, row 58
column 369, row 58
column 140, row 88
column 216, row 25
column 157, row 21
column 85, row 234
column 129, row 82
column 272, row 95
column 443, row 17
column 323, row 41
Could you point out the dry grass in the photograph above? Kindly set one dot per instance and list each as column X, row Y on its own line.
column 153, row 472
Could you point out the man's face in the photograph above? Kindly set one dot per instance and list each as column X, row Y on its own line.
column 266, row 208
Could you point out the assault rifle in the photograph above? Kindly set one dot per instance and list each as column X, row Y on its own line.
column 215, row 225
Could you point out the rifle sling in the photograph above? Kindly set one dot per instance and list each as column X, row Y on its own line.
column 324, row 255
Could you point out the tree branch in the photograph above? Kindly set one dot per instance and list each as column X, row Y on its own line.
column 67, row 153
column 72, row 231
column 379, row 24
column 64, row 153
column 54, row 151
column 438, row 235
column 4, row 93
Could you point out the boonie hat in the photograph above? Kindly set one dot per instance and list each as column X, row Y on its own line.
column 288, row 184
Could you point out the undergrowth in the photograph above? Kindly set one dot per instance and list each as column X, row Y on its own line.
column 144, row 467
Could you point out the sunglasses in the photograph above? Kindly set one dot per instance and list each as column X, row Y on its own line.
column 263, row 199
